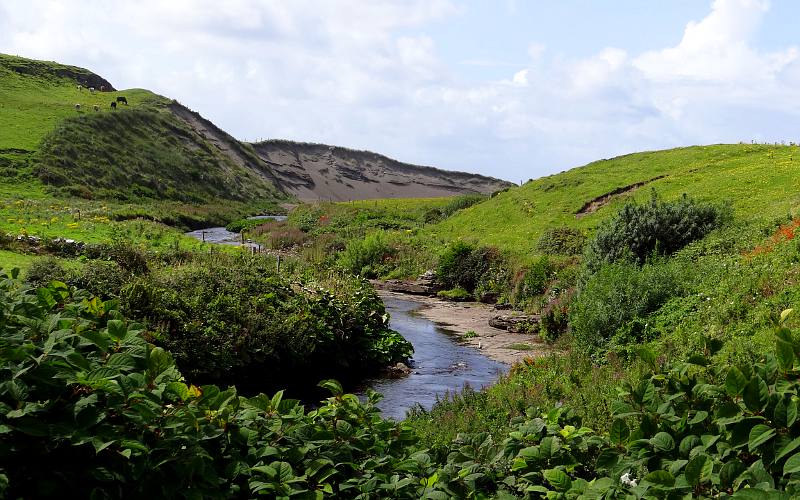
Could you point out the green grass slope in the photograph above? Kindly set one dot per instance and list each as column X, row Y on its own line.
column 143, row 150
column 761, row 181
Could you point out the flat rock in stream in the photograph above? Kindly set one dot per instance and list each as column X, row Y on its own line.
column 516, row 323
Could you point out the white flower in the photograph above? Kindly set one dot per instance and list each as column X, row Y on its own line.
column 627, row 480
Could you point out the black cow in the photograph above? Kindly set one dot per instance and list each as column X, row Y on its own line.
column 113, row 105
column 122, row 99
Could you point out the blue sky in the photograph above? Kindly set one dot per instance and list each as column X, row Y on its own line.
column 509, row 88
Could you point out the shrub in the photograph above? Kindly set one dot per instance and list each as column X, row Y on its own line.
column 537, row 278
column 452, row 263
column 233, row 320
column 479, row 270
column 94, row 410
column 44, row 270
column 561, row 241
column 240, row 225
column 364, row 257
column 617, row 294
column 101, row 278
column 640, row 231
column 456, row 294
column 554, row 319
column 129, row 257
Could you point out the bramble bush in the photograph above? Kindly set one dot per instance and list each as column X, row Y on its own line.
column 616, row 295
column 480, row 270
column 561, row 241
column 236, row 321
column 639, row 231
column 365, row 257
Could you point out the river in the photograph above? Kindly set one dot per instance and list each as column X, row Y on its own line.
column 440, row 363
column 221, row 236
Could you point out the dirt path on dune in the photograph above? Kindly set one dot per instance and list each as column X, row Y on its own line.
column 461, row 317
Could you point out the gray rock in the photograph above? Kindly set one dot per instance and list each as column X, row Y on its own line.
column 516, row 323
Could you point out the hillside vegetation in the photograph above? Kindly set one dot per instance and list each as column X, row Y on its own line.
column 760, row 181
column 142, row 150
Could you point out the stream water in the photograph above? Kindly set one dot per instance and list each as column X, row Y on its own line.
column 222, row 236
column 440, row 363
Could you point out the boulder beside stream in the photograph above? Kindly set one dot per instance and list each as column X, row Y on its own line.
column 516, row 323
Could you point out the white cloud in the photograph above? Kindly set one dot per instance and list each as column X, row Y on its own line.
column 369, row 75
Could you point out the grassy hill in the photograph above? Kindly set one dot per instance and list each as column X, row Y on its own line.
column 761, row 181
column 146, row 149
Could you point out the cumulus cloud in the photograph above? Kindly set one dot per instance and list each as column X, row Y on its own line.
column 370, row 75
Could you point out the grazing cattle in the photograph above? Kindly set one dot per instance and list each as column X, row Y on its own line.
column 96, row 107
column 91, row 89
column 123, row 100
column 77, row 107
column 113, row 105
column 80, row 88
column 102, row 88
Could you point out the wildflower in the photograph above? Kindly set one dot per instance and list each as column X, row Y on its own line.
column 627, row 480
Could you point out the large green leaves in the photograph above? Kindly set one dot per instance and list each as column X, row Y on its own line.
column 756, row 394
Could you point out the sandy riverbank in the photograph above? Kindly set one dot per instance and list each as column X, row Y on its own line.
column 462, row 317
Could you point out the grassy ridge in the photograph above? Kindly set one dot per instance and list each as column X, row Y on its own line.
column 761, row 181
column 141, row 153
column 142, row 150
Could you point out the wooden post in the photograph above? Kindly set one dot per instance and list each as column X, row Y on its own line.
column 204, row 236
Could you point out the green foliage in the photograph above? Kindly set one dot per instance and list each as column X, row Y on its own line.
column 88, row 406
column 478, row 270
column 437, row 214
column 554, row 319
column 536, row 279
column 562, row 240
column 104, row 279
column 240, row 225
column 655, row 228
column 454, row 294
column 754, row 177
column 236, row 321
column 613, row 305
column 365, row 257
column 141, row 153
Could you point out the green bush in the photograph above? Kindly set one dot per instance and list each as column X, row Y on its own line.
column 365, row 257
column 235, row 321
column 455, row 294
column 639, row 231
column 477, row 269
column 44, row 270
column 101, row 278
column 537, row 277
column 561, row 241
column 618, row 294
column 246, row 224
column 554, row 319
